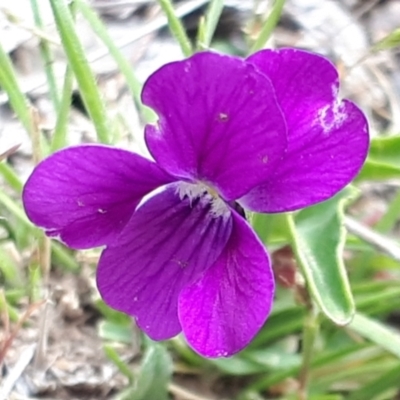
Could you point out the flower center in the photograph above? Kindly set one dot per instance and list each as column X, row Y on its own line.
column 203, row 191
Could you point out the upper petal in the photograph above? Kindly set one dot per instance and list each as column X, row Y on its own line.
column 327, row 137
column 218, row 122
column 86, row 194
column 165, row 246
column 222, row 311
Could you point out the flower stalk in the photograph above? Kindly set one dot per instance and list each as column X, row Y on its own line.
column 310, row 332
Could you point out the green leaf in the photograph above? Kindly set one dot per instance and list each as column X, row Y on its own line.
column 63, row 257
column 18, row 100
column 61, row 129
column 269, row 25
column 271, row 228
column 10, row 176
column 110, row 330
column 258, row 361
column 14, row 208
column 79, row 64
column 378, row 171
column 385, row 150
column 47, row 55
column 176, row 27
column 9, row 270
column 378, row 333
column 389, row 41
column 326, row 359
column 124, row 65
column 211, row 20
column 112, row 315
column 383, row 160
column 237, row 366
column 280, row 324
column 388, row 380
column 390, row 218
column 112, row 354
column 318, row 239
column 154, row 377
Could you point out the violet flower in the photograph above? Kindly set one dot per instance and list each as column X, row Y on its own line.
column 267, row 133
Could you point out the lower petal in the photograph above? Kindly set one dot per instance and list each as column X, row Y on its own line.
column 85, row 195
column 222, row 311
column 167, row 244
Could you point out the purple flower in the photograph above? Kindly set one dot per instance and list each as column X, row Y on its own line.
column 268, row 133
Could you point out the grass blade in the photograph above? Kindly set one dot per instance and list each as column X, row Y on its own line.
column 269, row 25
column 211, row 21
column 79, row 64
column 176, row 27
column 18, row 100
column 124, row 66
column 378, row 386
column 376, row 332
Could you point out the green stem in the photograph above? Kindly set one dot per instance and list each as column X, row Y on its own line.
column 61, row 129
column 79, row 64
column 269, row 25
column 310, row 331
column 18, row 101
column 14, row 208
column 47, row 56
column 389, row 219
column 176, row 27
column 10, row 177
column 209, row 24
column 134, row 85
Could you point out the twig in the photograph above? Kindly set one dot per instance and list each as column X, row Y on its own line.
column 5, row 345
column 381, row 242
column 8, row 152
column 13, row 376
column 43, row 334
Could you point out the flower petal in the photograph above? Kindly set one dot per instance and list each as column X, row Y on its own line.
column 218, row 122
column 327, row 137
column 86, row 194
column 222, row 311
column 166, row 245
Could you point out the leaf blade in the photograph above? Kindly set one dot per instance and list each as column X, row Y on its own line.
column 80, row 66
column 321, row 261
column 376, row 332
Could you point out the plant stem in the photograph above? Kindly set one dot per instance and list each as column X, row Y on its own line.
column 176, row 27
column 310, row 331
column 47, row 57
column 44, row 258
column 269, row 25
column 79, row 64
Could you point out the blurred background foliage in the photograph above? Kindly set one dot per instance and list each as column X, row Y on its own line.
column 71, row 72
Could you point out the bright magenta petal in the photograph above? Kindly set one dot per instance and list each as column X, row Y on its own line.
column 218, row 122
column 327, row 137
column 222, row 311
column 166, row 245
column 85, row 195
